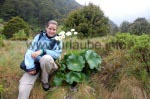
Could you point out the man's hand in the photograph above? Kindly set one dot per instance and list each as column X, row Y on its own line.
column 32, row 72
column 37, row 53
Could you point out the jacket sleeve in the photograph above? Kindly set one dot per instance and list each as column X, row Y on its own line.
column 56, row 51
column 29, row 61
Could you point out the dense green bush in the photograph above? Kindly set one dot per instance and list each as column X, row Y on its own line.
column 89, row 21
column 121, row 41
column 20, row 35
column 140, row 26
column 141, row 51
column 14, row 25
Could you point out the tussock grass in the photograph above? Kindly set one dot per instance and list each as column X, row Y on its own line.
column 85, row 91
column 117, row 79
column 116, row 59
column 82, row 91
column 129, row 88
column 11, row 55
column 60, row 92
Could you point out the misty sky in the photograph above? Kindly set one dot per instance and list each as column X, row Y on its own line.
column 121, row 10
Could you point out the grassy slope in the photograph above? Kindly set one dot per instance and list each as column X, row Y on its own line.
column 113, row 82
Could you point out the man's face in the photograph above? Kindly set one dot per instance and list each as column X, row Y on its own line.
column 51, row 30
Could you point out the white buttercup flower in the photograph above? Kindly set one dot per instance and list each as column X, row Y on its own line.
column 58, row 38
column 75, row 33
column 62, row 33
column 72, row 30
column 62, row 36
column 68, row 33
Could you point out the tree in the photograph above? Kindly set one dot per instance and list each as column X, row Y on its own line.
column 14, row 25
column 89, row 21
column 124, row 27
column 139, row 26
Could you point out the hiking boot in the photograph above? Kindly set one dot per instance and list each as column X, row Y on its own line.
column 46, row 86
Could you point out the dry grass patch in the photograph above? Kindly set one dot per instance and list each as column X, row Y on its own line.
column 129, row 88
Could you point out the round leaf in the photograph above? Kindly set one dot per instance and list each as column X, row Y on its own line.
column 93, row 59
column 74, row 77
column 58, row 79
column 75, row 63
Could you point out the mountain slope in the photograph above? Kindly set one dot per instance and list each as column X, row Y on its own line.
column 36, row 11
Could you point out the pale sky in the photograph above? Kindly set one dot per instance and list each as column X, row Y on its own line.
column 121, row 10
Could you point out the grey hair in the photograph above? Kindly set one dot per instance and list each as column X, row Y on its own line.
column 52, row 22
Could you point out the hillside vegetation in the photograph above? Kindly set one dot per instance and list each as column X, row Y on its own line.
column 124, row 74
column 36, row 12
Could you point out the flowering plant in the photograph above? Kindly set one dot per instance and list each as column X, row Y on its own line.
column 76, row 65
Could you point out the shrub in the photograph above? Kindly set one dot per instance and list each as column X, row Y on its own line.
column 88, row 21
column 20, row 35
column 141, row 51
column 121, row 41
column 140, row 26
column 14, row 25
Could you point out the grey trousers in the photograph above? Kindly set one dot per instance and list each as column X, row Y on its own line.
column 27, row 81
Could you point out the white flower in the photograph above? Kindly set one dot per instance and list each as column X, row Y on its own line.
column 72, row 30
column 68, row 33
column 58, row 38
column 62, row 36
column 75, row 33
column 62, row 33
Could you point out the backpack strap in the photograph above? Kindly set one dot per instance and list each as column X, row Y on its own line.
column 40, row 36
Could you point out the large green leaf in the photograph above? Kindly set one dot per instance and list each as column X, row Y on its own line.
column 93, row 59
column 58, row 79
column 74, row 77
column 75, row 63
